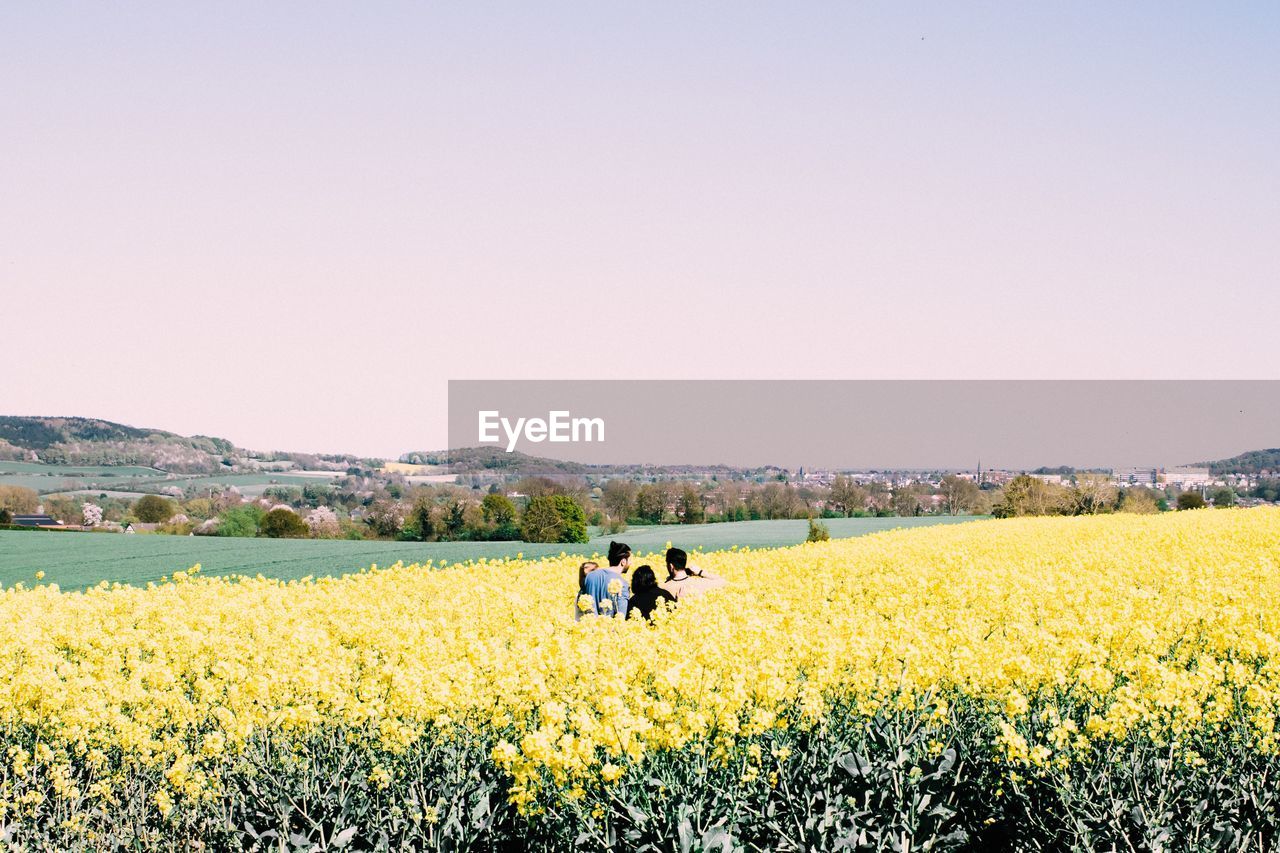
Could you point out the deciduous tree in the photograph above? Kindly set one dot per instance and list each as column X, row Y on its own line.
column 847, row 497
column 498, row 509
column 1139, row 501
column 1027, row 495
column 153, row 509
column 651, row 501
column 689, row 505
column 1092, row 493
column 18, row 500
column 1224, row 497
column 958, row 494
column 618, row 497
column 1191, row 500
column 283, row 523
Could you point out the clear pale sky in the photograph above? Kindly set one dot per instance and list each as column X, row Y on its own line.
column 291, row 224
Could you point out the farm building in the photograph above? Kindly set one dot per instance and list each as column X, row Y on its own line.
column 36, row 521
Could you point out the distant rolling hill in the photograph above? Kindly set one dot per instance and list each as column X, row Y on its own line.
column 91, row 441
column 1251, row 463
column 77, row 441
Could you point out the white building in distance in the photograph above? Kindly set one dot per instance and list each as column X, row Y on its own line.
column 1136, row 476
column 1187, row 478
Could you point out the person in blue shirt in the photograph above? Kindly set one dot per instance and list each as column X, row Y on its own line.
column 605, row 592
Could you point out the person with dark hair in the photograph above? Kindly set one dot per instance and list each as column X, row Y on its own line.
column 605, row 591
column 684, row 580
column 620, row 556
column 646, row 594
column 677, row 561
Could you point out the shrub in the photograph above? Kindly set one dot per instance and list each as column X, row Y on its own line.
column 282, row 523
column 240, row 521
column 1191, row 500
column 153, row 509
column 818, row 532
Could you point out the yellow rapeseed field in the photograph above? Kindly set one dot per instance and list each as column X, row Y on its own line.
column 1108, row 625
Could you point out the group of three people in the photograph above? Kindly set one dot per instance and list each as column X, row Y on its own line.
column 604, row 591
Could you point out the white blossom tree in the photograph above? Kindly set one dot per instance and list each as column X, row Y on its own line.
column 323, row 522
column 92, row 515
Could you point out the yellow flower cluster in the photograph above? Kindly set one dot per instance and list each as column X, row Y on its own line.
column 1070, row 629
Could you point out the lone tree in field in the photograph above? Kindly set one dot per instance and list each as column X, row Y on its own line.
column 282, row 523
column 818, row 532
column 153, row 509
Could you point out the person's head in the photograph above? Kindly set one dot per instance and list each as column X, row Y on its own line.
column 619, row 555
column 677, row 560
column 585, row 569
column 643, row 579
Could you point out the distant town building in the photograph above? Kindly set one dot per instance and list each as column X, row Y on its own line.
column 1131, row 476
column 1187, row 478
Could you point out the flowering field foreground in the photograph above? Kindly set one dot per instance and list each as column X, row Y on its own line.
column 1053, row 683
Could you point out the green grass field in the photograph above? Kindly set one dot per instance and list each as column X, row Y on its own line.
column 134, row 481
column 50, row 479
column 78, row 560
column 7, row 467
column 242, row 481
column 55, row 479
